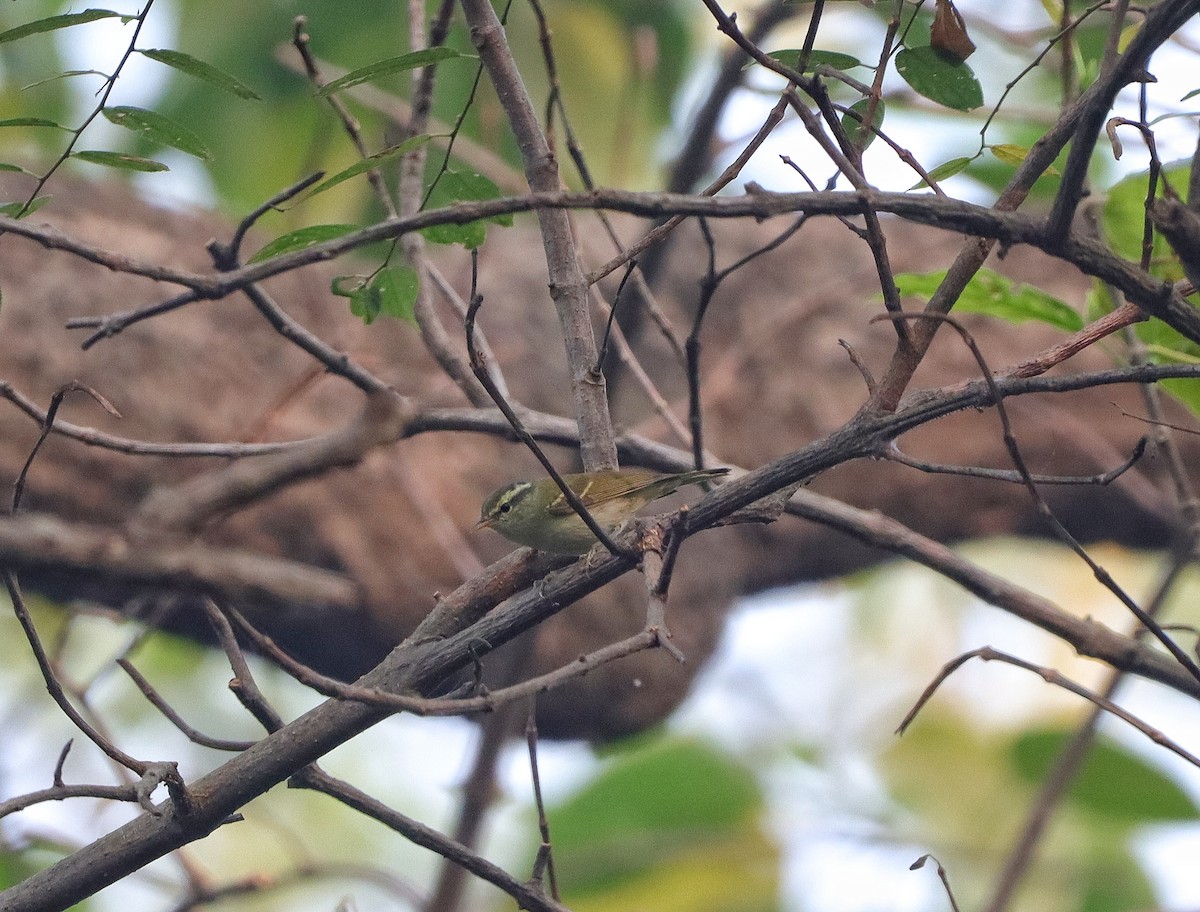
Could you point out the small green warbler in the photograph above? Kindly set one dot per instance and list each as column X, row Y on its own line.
column 536, row 514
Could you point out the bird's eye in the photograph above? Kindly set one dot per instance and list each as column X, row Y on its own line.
column 504, row 508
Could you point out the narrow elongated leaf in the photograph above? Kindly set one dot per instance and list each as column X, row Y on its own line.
column 13, row 210
column 63, row 75
column 945, row 170
column 119, row 160
column 57, row 22
column 791, row 56
column 940, row 78
column 300, row 239
column 1054, row 9
column 186, row 63
column 391, row 65
column 159, row 129
column 995, row 295
column 1012, row 154
column 1127, row 35
column 30, row 122
column 373, row 161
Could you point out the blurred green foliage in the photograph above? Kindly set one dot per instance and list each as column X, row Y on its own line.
column 668, row 824
column 620, row 65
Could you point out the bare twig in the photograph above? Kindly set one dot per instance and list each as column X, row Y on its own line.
column 190, row 505
column 1010, row 442
column 1094, row 105
column 545, row 850
column 480, row 790
column 484, row 377
column 1156, row 297
column 417, row 833
column 48, row 426
column 150, row 774
column 895, row 454
column 1050, row 676
column 658, row 568
column 1066, row 767
column 243, row 685
column 942, row 876
column 157, row 701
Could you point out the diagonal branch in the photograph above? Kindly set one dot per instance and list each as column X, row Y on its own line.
column 568, row 286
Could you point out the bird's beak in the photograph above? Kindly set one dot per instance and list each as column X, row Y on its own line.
column 482, row 524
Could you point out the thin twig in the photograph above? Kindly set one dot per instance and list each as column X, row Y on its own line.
column 546, row 850
column 243, row 685
column 479, row 790
column 481, row 373
column 158, row 702
column 527, row 897
column 1067, row 765
column 895, row 454
column 1102, row 575
column 48, row 426
column 1050, row 676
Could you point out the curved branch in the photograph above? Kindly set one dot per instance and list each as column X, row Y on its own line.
column 1088, row 255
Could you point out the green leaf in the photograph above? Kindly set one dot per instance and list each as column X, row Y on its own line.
column 1112, row 782
column 1166, row 346
column 119, row 160
column 1127, row 35
column 346, row 285
column 653, row 803
column 380, row 68
column 5, row 166
column 30, row 122
column 63, row 75
column 791, row 56
column 1009, row 153
column 1123, row 222
column 365, row 304
column 300, row 239
column 471, row 235
column 1124, row 217
column 1192, row 94
column 954, row 773
column 159, row 129
column 1054, row 9
column 186, row 63
column 990, row 293
column 13, row 210
column 456, row 187
column 940, row 78
column 373, row 161
column 945, row 170
column 392, row 292
column 855, row 127
column 1012, row 154
column 57, row 22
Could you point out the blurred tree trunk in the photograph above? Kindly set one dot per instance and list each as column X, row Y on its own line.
column 397, row 526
